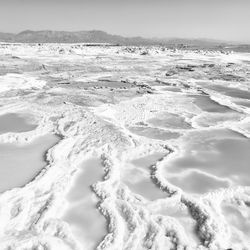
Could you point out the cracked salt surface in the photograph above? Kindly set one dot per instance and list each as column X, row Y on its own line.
column 239, row 219
column 19, row 81
column 125, row 151
column 183, row 217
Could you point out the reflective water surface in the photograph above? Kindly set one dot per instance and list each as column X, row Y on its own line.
column 168, row 120
column 217, row 152
column 14, row 122
column 229, row 91
column 85, row 221
column 19, row 164
column 154, row 133
column 205, row 103
column 139, row 182
column 196, row 182
column 147, row 161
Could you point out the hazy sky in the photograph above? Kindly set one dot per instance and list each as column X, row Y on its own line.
column 217, row 19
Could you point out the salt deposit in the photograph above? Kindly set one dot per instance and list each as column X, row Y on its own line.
column 113, row 148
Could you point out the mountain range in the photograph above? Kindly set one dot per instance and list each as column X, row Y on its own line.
column 93, row 36
column 97, row 36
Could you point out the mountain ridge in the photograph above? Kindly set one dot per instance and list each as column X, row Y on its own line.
column 98, row 36
column 50, row 36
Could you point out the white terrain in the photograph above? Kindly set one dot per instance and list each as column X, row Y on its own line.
column 123, row 148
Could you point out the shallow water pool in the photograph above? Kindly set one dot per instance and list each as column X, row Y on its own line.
column 172, row 89
column 198, row 183
column 148, row 160
column 140, row 182
column 209, row 152
column 213, row 119
column 205, row 103
column 15, row 122
column 168, row 120
column 229, row 91
column 20, row 164
column 154, row 133
column 245, row 103
column 86, row 222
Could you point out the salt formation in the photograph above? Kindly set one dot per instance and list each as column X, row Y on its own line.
column 141, row 152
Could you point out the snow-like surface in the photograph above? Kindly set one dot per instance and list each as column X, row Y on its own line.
column 19, row 81
column 162, row 126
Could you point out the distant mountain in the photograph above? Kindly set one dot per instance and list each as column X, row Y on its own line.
column 93, row 36
column 5, row 36
column 97, row 36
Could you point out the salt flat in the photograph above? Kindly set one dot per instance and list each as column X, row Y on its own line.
column 123, row 148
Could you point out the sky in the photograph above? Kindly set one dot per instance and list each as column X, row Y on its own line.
column 212, row 19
